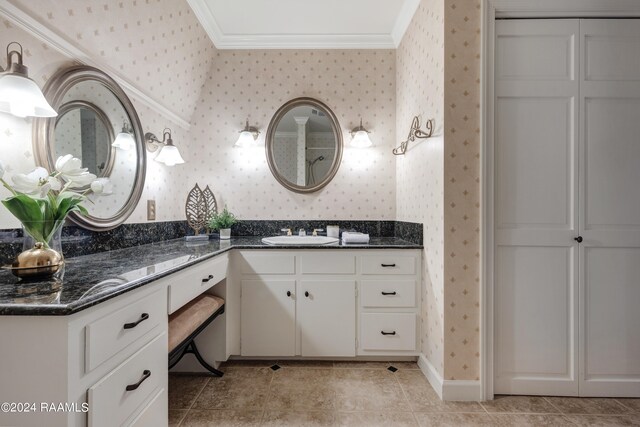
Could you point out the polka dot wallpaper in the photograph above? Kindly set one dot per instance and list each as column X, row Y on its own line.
column 255, row 84
column 420, row 175
column 462, row 189
column 160, row 47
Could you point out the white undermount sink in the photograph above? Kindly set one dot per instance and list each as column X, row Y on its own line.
column 299, row 240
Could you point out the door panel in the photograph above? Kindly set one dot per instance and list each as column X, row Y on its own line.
column 327, row 317
column 268, row 322
column 534, row 184
column 535, row 325
column 612, row 331
column 610, row 201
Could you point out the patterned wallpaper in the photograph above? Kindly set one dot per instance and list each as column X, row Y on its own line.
column 179, row 54
column 420, row 186
column 157, row 45
column 255, row 84
column 462, row 188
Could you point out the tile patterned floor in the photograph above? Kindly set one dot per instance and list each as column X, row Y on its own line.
column 364, row 394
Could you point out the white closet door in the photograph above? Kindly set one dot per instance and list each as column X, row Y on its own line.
column 536, row 218
column 610, row 200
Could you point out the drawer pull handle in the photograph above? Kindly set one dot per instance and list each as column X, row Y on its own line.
column 143, row 317
column 207, row 279
column 145, row 374
column 389, row 293
column 306, row 294
column 388, row 333
column 288, row 293
column 388, row 265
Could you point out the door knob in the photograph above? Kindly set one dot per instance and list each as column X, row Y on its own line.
column 578, row 239
column 288, row 293
column 306, row 294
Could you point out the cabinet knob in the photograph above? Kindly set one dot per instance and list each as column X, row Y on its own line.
column 143, row 317
column 145, row 374
column 388, row 293
column 207, row 279
column 388, row 333
column 578, row 239
column 288, row 293
column 306, row 294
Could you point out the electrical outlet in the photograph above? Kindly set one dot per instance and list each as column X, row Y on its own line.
column 151, row 210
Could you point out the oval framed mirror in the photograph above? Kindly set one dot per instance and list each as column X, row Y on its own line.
column 304, row 145
column 92, row 108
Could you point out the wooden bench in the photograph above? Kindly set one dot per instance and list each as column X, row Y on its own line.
column 185, row 325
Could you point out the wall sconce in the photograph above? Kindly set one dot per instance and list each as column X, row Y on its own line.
column 169, row 154
column 19, row 95
column 360, row 137
column 248, row 136
column 124, row 140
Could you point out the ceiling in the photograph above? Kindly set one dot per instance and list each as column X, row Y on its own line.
column 305, row 24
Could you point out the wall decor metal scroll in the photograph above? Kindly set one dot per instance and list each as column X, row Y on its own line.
column 200, row 207
column 414, row 133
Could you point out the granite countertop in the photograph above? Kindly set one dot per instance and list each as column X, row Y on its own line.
column 91, row 279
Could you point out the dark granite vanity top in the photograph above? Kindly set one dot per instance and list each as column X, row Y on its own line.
column 92, row 279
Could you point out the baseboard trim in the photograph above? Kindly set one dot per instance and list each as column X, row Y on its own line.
column 451, row 390
column 432, row 374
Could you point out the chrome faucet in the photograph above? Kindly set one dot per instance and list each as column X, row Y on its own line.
column 302, row 232
column 315, row 231
column 287, row 231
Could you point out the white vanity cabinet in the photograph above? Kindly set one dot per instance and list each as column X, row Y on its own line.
column 327, row 303
column 285, row 314
column 109, row 361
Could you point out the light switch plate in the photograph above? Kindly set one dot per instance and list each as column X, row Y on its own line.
column 151, row 210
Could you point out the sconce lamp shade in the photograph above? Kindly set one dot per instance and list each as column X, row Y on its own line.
column 248, row 136
column 245, row 140
column 124, row 141
column 360, row 137
column 21, row 96
column 169, row 155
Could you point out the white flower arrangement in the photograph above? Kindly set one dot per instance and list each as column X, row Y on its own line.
column 42, row 200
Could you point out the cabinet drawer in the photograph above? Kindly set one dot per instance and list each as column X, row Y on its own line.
column 188, row 284
column 399, row 331
column 388, row 293
column 388, row 264
column 110, row 404
column 108, row 335
column 327, row 263
column 261, row 263
column 155, row 413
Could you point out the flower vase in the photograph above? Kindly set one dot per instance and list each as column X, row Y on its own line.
column 49, row 233
column 41, row 257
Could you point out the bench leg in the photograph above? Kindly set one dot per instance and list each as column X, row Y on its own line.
column 191, row 348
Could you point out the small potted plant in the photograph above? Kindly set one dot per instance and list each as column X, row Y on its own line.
column 223, row 221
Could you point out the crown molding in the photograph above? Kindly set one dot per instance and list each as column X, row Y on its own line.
column 404, row 20
column 45, row 34
column 303, row 41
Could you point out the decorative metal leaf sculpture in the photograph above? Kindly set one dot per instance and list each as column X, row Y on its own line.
column 211, row 206
column 195, row 209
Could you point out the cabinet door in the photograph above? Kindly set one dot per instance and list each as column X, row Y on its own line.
column 327, row 316
column 268, row 322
